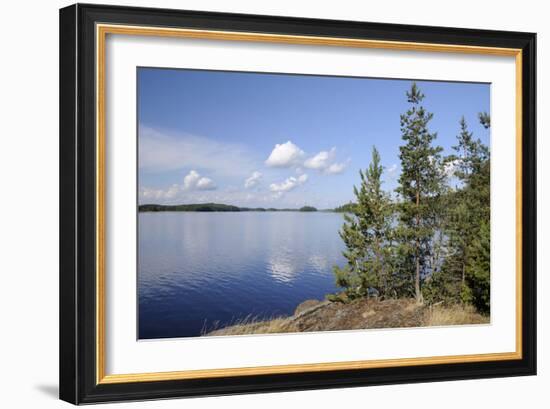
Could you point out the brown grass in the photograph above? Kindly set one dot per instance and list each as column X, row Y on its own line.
column 358, row 314
column 453, row 315
column 253, row 325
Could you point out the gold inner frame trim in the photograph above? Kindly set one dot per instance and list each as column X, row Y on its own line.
column 101, row 33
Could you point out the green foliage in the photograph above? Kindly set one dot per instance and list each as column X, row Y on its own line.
column 471, row 154
column 433, row 242
column 201, row 207
column 484, row 119
column 420, row 185
column 441, row 287
column 214, row 207
column 467, row 208
column 366, row 234
column 478, row 269
column 347, row 208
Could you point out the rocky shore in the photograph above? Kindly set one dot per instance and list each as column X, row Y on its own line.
column 315, row 315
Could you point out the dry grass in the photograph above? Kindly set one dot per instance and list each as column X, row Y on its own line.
column 253, row 325
column 453, row 315
column 358, row 314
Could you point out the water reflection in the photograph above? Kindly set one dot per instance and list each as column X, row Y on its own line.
column 206, row 267
column 282, row 269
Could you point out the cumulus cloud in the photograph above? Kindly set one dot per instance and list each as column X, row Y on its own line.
column 285, row 155
column 253, row 180
column 194, row 181
column 335, row 168
column 324, row 162
column 206, row 184
column 289, row 184
column 190, row 180
column 320, row 161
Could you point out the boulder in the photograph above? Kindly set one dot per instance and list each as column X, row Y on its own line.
column 306, row 305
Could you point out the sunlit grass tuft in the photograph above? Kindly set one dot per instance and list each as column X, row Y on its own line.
column 440, row 315
column 254, row 325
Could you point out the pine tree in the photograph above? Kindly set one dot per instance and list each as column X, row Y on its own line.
column 366, row 234
column 420, row 185
column 484, row 119
column 478, row 269
column 471, row 153
column 467, row 207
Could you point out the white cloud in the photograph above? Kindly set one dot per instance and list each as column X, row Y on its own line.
column 194, row 181
column 206, row 184
column 324, row 162
column 285, row 155
column 190, row 180
column 172, row 191
column 335, row 168
column 164, row 152
column 320, row 161
column 164, row 194
column 289, row 184
column 253, row 180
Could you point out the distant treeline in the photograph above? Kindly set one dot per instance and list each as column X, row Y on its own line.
column 215, row 207
column 347, row 208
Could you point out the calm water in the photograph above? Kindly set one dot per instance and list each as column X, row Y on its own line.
column 198, row 270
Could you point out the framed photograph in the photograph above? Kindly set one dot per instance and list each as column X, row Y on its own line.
column 257, row 203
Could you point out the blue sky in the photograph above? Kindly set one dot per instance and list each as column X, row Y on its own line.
column 279, row 140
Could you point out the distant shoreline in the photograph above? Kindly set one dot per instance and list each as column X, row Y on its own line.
column 219, row 207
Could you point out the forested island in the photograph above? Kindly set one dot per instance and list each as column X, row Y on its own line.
column 419, row 255
column 215, row 207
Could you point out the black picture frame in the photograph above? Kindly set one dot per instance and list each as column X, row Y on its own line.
column 78, row 318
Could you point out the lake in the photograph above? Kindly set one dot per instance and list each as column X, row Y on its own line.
column 200, row 270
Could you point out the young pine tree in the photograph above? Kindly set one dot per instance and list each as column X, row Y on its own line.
column 471, row 153
column 465, row 273
column 366, row 234
column 462, row 217
column 467, row 215
column 420, row 185
column 477, row 272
